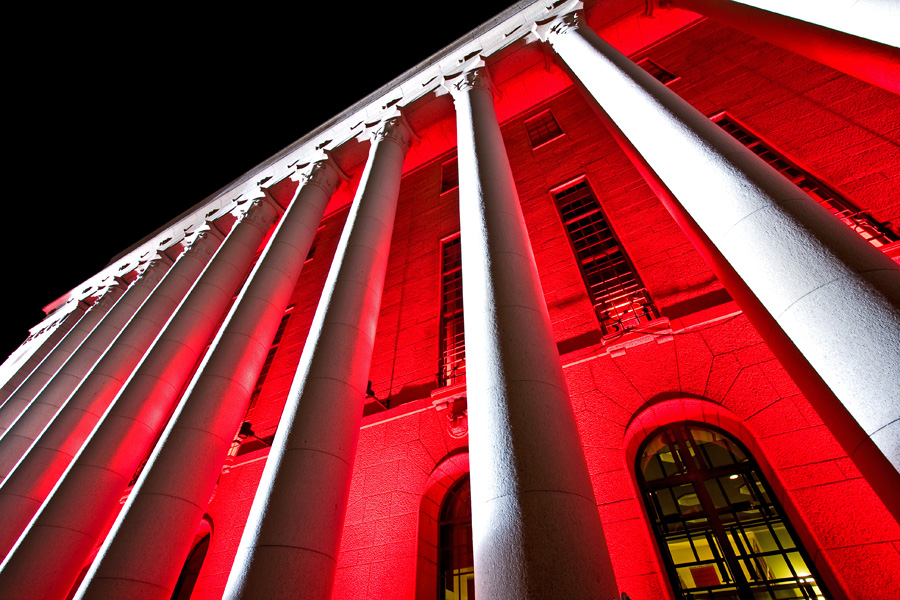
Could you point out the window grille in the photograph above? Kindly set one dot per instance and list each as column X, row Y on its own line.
column 542, row 128
column 449, row 175
column 453, row 338
column 657, row 71
column 619, row 297
column 874, row 232
column 718, row 525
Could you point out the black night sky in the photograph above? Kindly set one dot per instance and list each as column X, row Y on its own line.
column 117, row 123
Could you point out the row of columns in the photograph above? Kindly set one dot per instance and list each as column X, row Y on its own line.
column 790, row 265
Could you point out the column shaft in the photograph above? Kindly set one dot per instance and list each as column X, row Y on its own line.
column 290, row 543
column 41, row 465
column 18, row 437
column 143, row 555
column 827, row 302
column 46, row 344
column 842, row 45
column 76, row 513
column 22, row 397
column 533, row 507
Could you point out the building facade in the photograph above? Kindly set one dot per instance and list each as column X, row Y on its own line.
column 601, row 301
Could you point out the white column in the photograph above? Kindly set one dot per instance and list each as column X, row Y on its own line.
column 826, row 302
column 45, row 338
column 22, row 397
column 39, row 468
column 858, row 37
column 290, row 544
column 79, row 508
column 15, row 442
column 147, row 546
column 535, row 524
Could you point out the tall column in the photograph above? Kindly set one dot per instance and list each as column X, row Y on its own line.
column 79, row 508
column 21, row 398
column 15, row 442
column 826, row 301
column 533, row 507
column 290, row 544
column 47, row 342
column 31, row 480
column 146, row 548
column 858, row 37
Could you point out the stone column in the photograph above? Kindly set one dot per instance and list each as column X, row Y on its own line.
column 47, row 342
column 18, row 437
column 144, row 553
column 535, row 523
column 290, row 544
column 22, row 397
column 28, row 484
column 79, row 508
column 858, row 37
column 826, row 301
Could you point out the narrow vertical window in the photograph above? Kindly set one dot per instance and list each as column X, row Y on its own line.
column 542, row 129
column 620, row 299
column 450, row 175
column 315, row 244
column 264, row 372
column 457, row 563
column 874, row 232
column 453, row 338
column 719, row 528
column 657, row 71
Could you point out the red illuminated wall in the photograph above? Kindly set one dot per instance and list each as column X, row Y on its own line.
column 705, row 364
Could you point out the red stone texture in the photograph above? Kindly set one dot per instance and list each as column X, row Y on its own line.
column 705, row 364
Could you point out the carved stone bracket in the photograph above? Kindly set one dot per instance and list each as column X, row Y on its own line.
column 453, row 400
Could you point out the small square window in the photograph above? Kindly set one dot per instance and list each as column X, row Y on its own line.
column 657, row 71
column 542, row 129
column 449, row 175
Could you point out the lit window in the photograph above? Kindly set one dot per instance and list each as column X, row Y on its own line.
column 877, row 234
column 453, row 337
column 619, row 297
column 542, row 128
column 657, row 71
column 449, row 175
column 457, row 564
column 719, row 528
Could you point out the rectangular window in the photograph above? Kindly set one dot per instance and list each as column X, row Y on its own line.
column 449, row 175
column 619, row 297
column 657, row 71
column 452, row 367
column 877, row 234
column 542, row 129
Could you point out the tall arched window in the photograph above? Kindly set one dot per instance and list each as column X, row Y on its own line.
column 719, row 528
column 457, row 565
column 187, row 579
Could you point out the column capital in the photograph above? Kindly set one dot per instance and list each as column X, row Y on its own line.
column 260, row 212
column 204, row 243
column 394, row 129
column 474, row 76
column 324, row 174
column 153, row 272
column 569, row 17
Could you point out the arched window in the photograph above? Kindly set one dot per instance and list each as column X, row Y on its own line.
column 719, row 528
column 191, row 569
column 457, row 572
